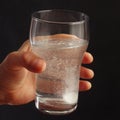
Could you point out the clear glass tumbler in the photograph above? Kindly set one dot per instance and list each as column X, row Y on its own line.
column 60, row 37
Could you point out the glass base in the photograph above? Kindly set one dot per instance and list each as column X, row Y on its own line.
column 54, row 111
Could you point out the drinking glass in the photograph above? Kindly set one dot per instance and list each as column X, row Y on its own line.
column 60, row 37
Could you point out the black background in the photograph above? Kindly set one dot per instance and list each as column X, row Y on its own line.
column 102, row 101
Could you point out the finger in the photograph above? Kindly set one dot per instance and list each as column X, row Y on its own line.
column 33, row 63
column 86, row 73
column 25, row 46
column 18, row 60
column 29, row 57
column 87, row 58
column 84, row 85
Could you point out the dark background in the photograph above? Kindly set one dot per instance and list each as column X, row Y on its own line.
column 102, row 101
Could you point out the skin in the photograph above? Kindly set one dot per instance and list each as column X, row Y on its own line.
column 17, row 75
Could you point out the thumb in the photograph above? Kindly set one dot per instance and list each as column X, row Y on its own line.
column 17, row 60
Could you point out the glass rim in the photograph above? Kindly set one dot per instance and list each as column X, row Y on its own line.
column 86, row 17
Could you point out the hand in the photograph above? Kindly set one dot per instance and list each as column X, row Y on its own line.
column 17, row 75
